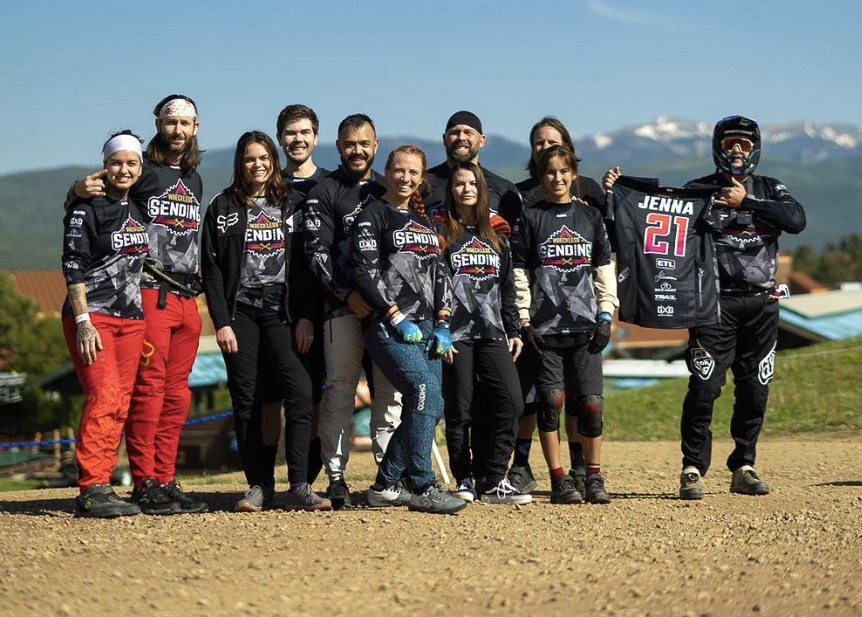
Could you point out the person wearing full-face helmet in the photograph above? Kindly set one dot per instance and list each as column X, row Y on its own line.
column 750, row 212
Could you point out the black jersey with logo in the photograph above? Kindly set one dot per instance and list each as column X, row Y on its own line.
column 483, row 289
column 169, row 201
column 668, row 275
column 301, row 187
column 560, row 245
column 746, row 238
column 503, row 198
column 104, row 246
column 263, row 262
column 331, row 210
column 397, row 260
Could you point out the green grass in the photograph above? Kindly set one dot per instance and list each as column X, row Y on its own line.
column 8, row 484
column 814, row 391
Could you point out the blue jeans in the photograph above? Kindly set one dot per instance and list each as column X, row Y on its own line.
column 418, row 376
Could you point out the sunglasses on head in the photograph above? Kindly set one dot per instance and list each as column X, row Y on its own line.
column 746, row 145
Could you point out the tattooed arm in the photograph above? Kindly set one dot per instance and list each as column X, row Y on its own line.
column 88, row 339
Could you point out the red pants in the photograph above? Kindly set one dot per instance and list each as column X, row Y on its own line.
column 107, row 385
column 161, row 398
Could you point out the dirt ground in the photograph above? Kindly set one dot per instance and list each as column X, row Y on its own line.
column 796, row 551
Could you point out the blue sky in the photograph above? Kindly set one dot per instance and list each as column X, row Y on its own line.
column 73, row 72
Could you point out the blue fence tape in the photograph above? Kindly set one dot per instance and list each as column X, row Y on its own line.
column 53, row 442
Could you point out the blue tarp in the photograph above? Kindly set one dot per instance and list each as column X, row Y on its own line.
column 208, row 370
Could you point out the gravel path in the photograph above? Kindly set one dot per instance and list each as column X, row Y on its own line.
column 796, row 551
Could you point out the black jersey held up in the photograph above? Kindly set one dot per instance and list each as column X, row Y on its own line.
column 665, row 258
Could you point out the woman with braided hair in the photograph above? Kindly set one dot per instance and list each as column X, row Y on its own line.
column 399, row 272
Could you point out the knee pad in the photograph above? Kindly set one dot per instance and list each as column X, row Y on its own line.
column 549, row 405
column 591, row 415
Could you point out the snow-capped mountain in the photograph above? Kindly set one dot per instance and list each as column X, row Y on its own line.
column 669, row 137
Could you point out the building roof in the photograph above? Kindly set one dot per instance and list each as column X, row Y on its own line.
column 828, row 316
column 47, row 288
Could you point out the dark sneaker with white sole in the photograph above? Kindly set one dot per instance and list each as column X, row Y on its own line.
column 690, row 485
column 152, row 498
column 596, row 492
column 188, row 505
column 522, row 478
column 465, row 490
column 339, row 494
column 746, row 482
column 505, row 493
column 100, row 501
column 434, row 500
column 563, row 490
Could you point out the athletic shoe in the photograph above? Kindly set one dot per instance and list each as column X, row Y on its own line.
column 465, row 491
column 746, row 482
column 395, row 495
column 690, row 486
column 188, row 505
column 304, row 498
column 256, row 498
column 504, row 492
column 596, row 492
column 100, row 501
column 579, row 475
column 522, row 478
column 563, row 490
column 339, row 494
column 434, row 500
column 153, row 499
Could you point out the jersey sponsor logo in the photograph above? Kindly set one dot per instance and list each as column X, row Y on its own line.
column 624, row 274
column 348, row 219
column 294, row 223
column 476, row 259
column 665, row 298
column 702, row 364
column 177, row 210
column 223, row 222
column 130, row 239
column 766, row 368
column 664, row 311
column 661, row 275
column 76, row 221
column 666, row 204
column 367, row 244
column 665, row 288
column 417, row 239
column 667, row 264
column 264, row 235
column 565, row 250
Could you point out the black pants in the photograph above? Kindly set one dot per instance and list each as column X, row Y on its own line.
column 263, row 335
column 744, row 341
column 494, row 419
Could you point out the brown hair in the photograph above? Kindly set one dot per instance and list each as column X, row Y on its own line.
column 568, row 157
column 276, row 190
column 292, row 113
column 158, row 151
column 555, row 124
column 455, row 228
column 416, row 202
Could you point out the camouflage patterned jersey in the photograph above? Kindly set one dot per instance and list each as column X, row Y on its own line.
column 396, row 257
column 104, row 246
column 263, row 260
column 560, row 245
column 330, row 212
column 169, row 201
column 483, row 290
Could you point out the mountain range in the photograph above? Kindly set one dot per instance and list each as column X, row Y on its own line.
column 820, row 163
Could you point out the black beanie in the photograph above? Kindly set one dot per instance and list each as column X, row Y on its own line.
column 465, row 117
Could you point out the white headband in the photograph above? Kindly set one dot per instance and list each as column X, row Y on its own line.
column 122, row 142
column 178, row 107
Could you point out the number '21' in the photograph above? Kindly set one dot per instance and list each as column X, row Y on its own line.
column 661, row 224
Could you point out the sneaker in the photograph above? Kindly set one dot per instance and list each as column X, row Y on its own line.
column 522, row 478
column 563, row 490
column 465, row 491
column 188, row 505
column 434, row 500
column 746, row 482
column 304, row 498
column 100, row 501
column 690, row 486
column 596, row 492
column 504, row 492
column 256, row 498
column 395, row 495
column 154, row 499
column 579, row 475
column 339, row 494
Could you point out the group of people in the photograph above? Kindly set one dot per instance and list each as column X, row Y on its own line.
column 460, row 294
